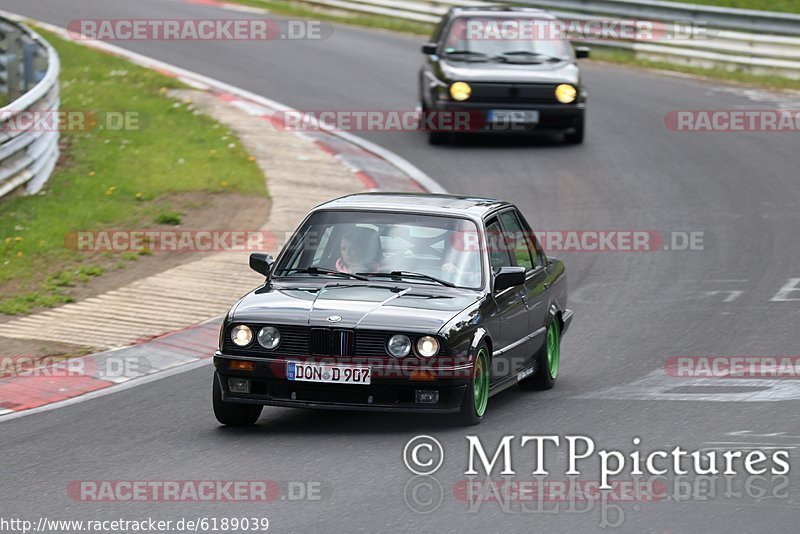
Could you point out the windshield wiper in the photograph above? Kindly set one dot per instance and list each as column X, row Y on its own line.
column 323, row 270
column 411, row 274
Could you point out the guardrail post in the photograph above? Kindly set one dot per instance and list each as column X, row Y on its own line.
column 11, row 49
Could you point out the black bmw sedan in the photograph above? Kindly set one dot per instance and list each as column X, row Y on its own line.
column 395, row 302
column 502, row 69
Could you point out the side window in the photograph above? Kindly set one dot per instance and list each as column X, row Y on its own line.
column 517, row 240
column 498, row 255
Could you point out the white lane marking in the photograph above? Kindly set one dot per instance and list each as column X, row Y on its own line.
column 3, row 412
column 659, row 386
column 751, row 434
column 792, row 286
column 732, row 294
column 111, row 389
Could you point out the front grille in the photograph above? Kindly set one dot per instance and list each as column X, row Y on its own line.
column 319, row 341
column 513, row 93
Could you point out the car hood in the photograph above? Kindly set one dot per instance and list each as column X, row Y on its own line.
column 562, row 72
column 379, row 307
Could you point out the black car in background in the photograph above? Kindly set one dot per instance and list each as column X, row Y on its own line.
column 508, row 69
column 395, row 302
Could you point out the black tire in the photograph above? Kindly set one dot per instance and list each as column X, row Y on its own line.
column 543, row 378
column 576, row 137
column 231, row 413
column 471, row 414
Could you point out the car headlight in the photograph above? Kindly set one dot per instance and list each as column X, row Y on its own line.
column 399, row 345
column 269, row 337
column 460, row 91
column 427, row 346
column 242, row 335
column 566, row 94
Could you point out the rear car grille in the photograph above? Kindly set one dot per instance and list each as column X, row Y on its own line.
column 513, row 93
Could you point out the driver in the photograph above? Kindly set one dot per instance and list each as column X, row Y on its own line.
column 360, row 250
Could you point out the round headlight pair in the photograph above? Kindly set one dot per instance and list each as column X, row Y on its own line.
column 566, row 93
column 400, row 345
column 268, row 337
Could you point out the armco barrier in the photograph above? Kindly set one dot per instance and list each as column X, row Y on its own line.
column 736, row 39
column 29, row 69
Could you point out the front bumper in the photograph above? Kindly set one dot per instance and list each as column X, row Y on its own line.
column 553, row 118
column 387, row 391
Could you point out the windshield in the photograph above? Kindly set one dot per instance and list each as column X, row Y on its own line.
column 423, row 249
column 523, row 39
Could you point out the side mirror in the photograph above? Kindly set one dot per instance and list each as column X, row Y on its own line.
column 261, row 263
column 509, row 277
column 581, row 52
column 429, row 48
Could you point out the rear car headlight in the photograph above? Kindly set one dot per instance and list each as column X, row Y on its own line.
column 399, row 345
column 460, row 91
column 242, row 335
column 566, row 94
column 427, row 346
column 269, row 337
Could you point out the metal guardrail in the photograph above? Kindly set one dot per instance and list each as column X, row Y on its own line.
column 719, row 36
column 29, row 69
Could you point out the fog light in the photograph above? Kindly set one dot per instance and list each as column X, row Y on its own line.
column 239, row 385
column 427, row 396
column 239, row 365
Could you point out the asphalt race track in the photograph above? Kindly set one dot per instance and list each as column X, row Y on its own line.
column 633, row 311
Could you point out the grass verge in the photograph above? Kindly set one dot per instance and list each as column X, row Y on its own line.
column 785, row 6
column 112, row 178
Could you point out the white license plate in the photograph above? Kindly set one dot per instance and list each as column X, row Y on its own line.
column 333, row 374
column 512, row 116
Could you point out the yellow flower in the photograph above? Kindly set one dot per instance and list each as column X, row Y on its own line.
column 223, row 183
column 162, row 90
column 91, row 173
column 18, row 239
column 7, row 240
column 251, row 158
column 138, row 196
column 20, row 254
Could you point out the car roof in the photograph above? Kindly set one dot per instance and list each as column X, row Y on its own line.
column 427, row 203
column 499, row 10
